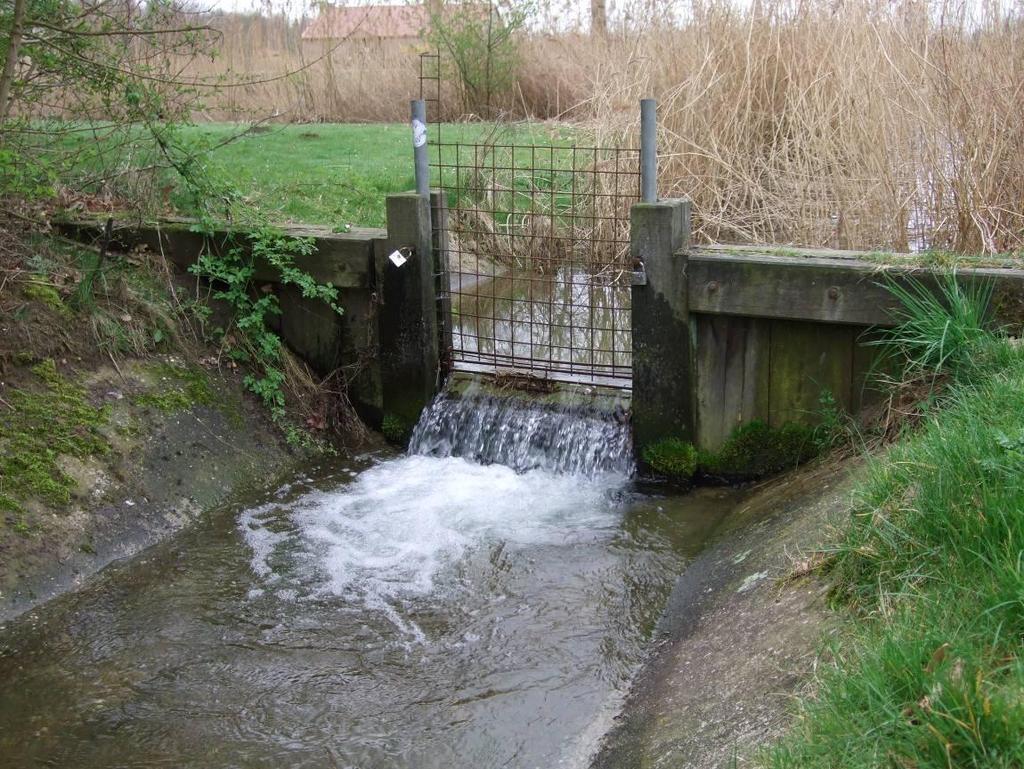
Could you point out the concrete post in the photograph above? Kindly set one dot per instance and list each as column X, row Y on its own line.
column 663, row 378
column 407, row 315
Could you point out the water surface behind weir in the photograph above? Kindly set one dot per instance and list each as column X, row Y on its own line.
column 421, row 611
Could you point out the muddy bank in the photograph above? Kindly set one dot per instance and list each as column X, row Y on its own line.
column 740, row 634
column 169, row 442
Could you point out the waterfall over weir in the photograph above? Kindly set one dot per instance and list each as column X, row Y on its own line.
column 571, row 432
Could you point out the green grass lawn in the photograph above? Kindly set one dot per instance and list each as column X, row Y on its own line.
column 332, row 174
column 338, row 174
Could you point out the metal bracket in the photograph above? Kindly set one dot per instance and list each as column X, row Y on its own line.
column 639, row 274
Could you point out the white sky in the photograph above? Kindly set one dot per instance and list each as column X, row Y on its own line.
column 551, row 14
column 557, row 13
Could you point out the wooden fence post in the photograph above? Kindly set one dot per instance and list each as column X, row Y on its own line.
column 663, row 392
column 407, row 316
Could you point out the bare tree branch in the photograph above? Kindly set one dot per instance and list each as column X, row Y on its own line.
column 11, row 60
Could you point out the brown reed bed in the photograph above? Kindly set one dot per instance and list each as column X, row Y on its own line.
column 863, row 124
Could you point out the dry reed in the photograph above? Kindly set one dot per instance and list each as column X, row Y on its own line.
column 861, row 124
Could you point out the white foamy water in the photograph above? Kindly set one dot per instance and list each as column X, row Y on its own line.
column 395, row 532
column 564, row 438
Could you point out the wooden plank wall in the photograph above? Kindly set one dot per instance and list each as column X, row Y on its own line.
column 775, row 371
column 773, row 331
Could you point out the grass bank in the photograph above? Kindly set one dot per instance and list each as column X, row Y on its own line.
column 120, row 421
column 931, row 566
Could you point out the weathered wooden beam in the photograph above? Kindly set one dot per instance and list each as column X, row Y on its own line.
column 407, row 321
column 341, row 259
column 831, row 289
column 733, row 364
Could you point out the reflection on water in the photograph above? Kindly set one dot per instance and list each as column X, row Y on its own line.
column 572, row 322
column 426, row 613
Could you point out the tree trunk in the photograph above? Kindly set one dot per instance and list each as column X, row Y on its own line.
column 598, row 18
column 11, row 62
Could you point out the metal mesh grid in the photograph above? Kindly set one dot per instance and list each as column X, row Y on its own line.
column 537, row 252
column 430, row 83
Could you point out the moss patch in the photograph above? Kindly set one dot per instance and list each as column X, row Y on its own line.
column 46, row 294
column 178, row 388
column 39, row 426
column 756, row 450
column 673, row 458
column 940, row 259
column 753, row 451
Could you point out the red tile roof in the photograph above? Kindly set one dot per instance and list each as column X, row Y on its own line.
column 368, row 21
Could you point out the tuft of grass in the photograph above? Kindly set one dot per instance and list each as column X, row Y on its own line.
column 932, row 566
column 942, row 329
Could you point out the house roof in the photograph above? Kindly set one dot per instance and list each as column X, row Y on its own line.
column 368, row 21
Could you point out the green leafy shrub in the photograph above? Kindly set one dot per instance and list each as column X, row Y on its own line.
column 480, row 42
column 89, row 62
column 232, row 272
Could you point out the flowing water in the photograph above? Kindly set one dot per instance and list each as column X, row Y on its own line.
column 564, row 436
column 420, row 611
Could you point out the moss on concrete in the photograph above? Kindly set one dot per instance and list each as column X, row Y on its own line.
column 110, row 448
column 177, row 388
column 756, row 450
column 739, row 636
column 38, row 426
column 673, row 458
column 941, row 259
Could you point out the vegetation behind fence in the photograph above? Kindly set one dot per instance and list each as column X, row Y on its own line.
column 862, row 124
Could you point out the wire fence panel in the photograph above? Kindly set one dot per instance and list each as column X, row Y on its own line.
column 537, row 259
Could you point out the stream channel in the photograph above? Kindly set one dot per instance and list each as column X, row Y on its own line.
column 426, row 611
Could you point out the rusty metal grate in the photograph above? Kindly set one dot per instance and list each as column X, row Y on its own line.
column 537, row 250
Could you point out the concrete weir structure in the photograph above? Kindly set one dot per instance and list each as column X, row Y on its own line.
column 387, row 339
column 721, row 335
column 726, row 335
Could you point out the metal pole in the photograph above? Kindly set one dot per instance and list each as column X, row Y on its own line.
column 649, row 150
column 419, row 145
